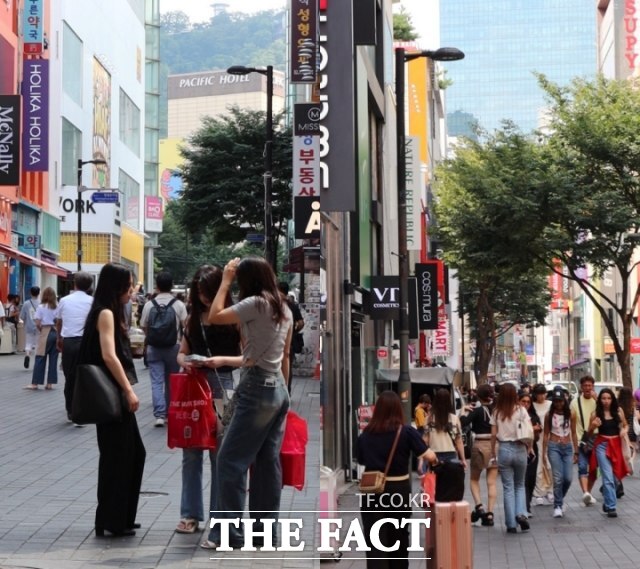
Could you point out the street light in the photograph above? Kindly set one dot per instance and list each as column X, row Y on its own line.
column 401, row 56
column 79, row 207
column 269, row 248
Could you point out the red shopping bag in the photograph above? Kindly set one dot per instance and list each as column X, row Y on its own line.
column 293, row 451
column 192, row 420
column 428, row 490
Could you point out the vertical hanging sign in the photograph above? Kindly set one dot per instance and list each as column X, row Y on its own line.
column 337, row 118
column 33, row 27
column 9, row 140
column 413, row 178
column 35, row 124
column 304, row 41
column 427, row 276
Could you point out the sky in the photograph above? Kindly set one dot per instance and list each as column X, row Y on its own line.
column 201, row 11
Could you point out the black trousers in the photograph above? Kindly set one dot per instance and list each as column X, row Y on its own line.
column 530, row 478
column 120, row 469
column 70, row 350
column 372, row 510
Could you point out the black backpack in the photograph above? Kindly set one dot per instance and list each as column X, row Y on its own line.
column 162, row 331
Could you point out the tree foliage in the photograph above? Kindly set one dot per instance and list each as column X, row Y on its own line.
column 481, row 208
column 589, row 200
column 227, row 39
column 403, row 29
column 223, row 175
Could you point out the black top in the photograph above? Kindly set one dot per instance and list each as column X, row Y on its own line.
column 372, row 450
column 479, row 419
column 90, row 352
column 222, row 340
column 609, row 427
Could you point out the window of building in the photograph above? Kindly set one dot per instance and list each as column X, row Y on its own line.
column 129, row 123
column 131, row 193
column 71, row 149
column 72, row 64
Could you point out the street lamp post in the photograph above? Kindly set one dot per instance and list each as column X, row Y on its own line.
column 401, row 56
column 79, row 207
column 269, row 246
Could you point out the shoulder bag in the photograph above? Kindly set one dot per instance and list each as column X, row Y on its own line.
column 97, row 398
column 524, row 428
column 373, row 482
column 586, row 441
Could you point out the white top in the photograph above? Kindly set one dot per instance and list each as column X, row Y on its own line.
column 508, row 428
column 72, row 311
column 46, row 315
column 441, row 441
column 163, row 299
column 558, row 426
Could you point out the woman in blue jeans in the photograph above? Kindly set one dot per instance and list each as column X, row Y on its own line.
column 512, row 455
column 560, row 445
column 607, row 448
column 254, row 435
column 220, row 348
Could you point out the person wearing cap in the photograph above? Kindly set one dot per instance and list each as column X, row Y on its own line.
column 582, row 408
column 542, row 492
column 560, row 447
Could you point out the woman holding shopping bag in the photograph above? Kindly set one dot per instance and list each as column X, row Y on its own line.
column 219, row 347
column 254, row 435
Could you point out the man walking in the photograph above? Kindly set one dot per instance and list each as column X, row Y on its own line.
column 31, row 332
column 581, row 409
column 71, row 316
column 162, row 319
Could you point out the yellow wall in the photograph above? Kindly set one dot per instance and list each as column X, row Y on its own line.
column 132, row 250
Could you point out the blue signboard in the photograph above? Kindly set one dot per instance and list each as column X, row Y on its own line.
column 105, row 197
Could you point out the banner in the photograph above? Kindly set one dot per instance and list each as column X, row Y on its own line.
column 306, row 216
column 304, row 41
column 35, row 93
column 101, row 147
column 441, row 339
column 33, row 26
column 153, row 214
column 306, row 166
column 427, row 276
column 413, row 181
column 9, row 140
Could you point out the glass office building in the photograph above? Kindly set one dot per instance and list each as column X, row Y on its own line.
column 504, row 42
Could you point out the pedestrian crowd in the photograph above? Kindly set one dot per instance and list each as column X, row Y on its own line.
column 208, row 334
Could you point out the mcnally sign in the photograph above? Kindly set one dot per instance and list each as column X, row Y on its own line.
column 220, row 83
column 9, row 140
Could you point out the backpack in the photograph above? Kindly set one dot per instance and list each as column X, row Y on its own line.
column 162, row 331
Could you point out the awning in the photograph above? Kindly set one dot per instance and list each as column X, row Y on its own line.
column 430, row 375
column 29, row 260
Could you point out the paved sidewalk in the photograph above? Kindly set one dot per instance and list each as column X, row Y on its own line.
column 583, row 539
column 48, row 477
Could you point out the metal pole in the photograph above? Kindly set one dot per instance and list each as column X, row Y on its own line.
column 404, row 381
column 269, row 246
column 79, row 209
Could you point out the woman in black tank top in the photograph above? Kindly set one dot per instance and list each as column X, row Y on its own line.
column 607, row 455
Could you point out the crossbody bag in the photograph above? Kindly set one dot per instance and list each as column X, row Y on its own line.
column 587, row 440
column 373, row 481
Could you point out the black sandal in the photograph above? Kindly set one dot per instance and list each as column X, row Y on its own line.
column 477, row 514
column 487, row 519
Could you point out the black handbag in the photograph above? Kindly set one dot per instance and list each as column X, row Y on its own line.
column 97, row 398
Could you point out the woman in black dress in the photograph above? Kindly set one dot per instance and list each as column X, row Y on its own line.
column 106, row 342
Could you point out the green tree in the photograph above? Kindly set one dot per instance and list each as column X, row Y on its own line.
column 223, row 178
column 403, row 29
column 588, row 199
column 484, row 236
column 175, row 22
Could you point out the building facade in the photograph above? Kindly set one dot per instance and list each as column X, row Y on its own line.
column 505, row 42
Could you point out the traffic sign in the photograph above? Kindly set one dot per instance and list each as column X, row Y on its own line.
column 105, row 197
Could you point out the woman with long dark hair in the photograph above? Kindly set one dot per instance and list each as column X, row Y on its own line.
column 220, row 348
column 507, row 416
column 443, row 433
column 106, row 342
column 372, row 451
column 607, row 448
column 254, row 435
column 560, row 446
column 480, row 420
column 532, row 458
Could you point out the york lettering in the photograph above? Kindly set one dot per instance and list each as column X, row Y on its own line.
column 69, row 205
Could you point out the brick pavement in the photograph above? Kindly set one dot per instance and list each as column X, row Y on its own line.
column 583, row 539
column 48, row 487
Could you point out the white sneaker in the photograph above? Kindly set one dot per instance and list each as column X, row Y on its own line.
column 539, row 501
column 550, row 498
column 588, row 499
column 159, row 422
column 557, row 513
